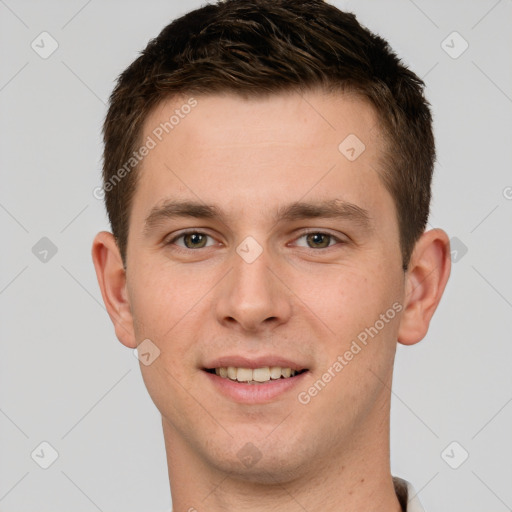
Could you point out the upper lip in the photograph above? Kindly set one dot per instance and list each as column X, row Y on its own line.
column 254, row 362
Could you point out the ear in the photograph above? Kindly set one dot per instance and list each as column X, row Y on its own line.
column 426, row 278
column 112, row 280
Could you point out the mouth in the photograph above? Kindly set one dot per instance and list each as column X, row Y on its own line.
column 260, row 379
column 255, row 376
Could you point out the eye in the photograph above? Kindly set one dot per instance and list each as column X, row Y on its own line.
column 192, row 240
column 318, row 240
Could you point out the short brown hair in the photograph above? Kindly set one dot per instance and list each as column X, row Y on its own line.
column 261, row 47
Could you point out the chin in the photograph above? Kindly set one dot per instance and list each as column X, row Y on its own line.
column 262, row 460
column 266, row 471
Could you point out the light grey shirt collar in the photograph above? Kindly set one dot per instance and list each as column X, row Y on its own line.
column 407, row 496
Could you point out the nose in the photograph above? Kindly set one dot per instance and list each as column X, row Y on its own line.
column 253, row 297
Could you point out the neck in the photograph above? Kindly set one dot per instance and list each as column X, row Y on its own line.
column 352, row 478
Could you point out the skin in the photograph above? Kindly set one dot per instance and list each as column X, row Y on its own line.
column 304, row 299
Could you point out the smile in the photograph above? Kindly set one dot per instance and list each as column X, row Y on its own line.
column 257, row 385
column 254, row 375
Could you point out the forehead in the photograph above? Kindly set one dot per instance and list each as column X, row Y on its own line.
column 250, row 152
column 306, row 119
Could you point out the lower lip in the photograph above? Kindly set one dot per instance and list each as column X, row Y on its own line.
column 254, row 393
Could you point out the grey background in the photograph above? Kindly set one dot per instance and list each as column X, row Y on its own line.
column 66, row 380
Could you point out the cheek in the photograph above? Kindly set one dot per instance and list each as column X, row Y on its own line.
column 361, row 309
column 349, row 298
column 161, row 296
column 359, row 345
column 166, row 305
column 171, row 306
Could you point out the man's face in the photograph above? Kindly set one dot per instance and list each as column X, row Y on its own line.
column 265, row 279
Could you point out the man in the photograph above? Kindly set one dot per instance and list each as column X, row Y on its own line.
column 267, row 175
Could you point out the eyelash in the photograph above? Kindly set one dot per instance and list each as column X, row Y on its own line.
column 173, row 240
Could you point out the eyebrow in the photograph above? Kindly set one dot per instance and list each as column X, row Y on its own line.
column 299, row 210
column 172, row 209
column 333, row 208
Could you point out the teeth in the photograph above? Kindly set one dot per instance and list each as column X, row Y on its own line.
column 261, row 374
column 264, row 374
column 286, row 372
column 275, row 372
column 244, row 375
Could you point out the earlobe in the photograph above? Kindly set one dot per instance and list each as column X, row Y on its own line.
column 426, row 279
column 111, row 277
